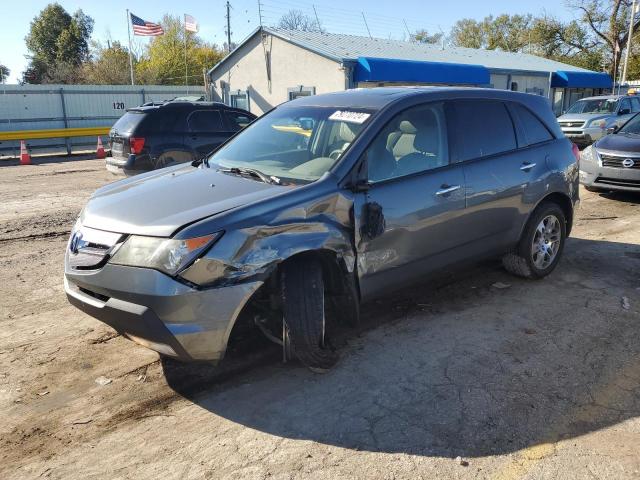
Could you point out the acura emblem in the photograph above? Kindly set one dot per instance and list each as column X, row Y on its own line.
column 628, row 163
column 75, row 242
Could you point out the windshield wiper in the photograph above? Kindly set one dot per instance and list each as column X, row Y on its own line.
column 252, row 172
column 199, row 161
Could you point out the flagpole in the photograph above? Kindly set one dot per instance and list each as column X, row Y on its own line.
column 130, row 54
column 185, row 54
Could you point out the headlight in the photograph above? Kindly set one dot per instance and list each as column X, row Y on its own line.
column 598, row 123
column 165, row 254
column 589, row 155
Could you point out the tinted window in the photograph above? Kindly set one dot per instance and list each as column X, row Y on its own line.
column 635, row 105
column 128, row 122
column 534, row 129
column 413, row 141
column 625, row 104
column 237, row 121
column 482, row 128
column 205, row 121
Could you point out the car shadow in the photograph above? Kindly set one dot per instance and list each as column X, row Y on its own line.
column 485, row 364
column 619, row 196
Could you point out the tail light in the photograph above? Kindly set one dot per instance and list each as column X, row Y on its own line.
column 576, row 152
column 136, row 144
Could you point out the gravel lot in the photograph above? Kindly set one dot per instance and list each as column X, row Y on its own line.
column 535, row 380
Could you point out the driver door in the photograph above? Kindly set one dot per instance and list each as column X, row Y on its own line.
column 409, row 221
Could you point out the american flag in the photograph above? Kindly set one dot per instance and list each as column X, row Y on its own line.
column 148, row 29
column 190, row 24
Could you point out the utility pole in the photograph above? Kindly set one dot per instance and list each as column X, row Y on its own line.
column 317, row 19
column 228, row 27
column 626, row 55
column 407, row 29
column 260, row 12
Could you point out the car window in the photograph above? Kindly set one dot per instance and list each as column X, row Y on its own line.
column 413, row 141
column 481, row 128
column 205, row 121
column 128, row 122
column 237, row 120
column 534, row 130
column 625, row 104
column 635, row 105
column 595, row 105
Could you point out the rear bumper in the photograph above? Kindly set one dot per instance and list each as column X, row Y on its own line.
column 131, row 165
column 159, row 312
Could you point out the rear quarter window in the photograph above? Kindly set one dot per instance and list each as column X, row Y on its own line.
column 128, row 122
column 238, row 120
column 534, row 130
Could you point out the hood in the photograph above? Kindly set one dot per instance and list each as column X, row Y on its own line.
column 619, row 142
column 160, row 202
column 583, row 117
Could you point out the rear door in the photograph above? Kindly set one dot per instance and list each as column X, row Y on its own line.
column 410, row 220
column 205, row 131
column 498, row 170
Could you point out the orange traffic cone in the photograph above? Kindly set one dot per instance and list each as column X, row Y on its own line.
column 25, row 158
column 100, row 149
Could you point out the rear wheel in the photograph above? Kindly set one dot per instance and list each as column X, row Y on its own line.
column 541, row 244
column 303, row 296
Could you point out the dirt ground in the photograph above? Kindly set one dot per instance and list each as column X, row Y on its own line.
column 536, row 380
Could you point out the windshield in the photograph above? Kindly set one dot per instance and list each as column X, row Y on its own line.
column 598, row 105
column 632, row 126
column 298, row 144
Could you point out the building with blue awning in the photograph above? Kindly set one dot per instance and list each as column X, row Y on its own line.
column 272, row 66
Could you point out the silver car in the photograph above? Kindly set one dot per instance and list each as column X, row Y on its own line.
column 323, row 203
column 587, row 120
column 613, row 162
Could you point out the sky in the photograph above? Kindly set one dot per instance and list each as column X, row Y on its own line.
column 383, row 18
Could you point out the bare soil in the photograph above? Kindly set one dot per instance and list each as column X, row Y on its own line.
column 536, row 380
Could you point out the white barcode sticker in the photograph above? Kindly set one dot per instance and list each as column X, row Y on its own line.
column 352, row 117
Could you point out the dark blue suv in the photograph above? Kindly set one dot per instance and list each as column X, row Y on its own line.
column 158, row 135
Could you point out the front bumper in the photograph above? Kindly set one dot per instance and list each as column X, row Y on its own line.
column 583, row 137
column 607, row 178
column 159, row 312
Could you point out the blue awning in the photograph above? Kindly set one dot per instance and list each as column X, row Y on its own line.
column 370, row 69
column 568, row 79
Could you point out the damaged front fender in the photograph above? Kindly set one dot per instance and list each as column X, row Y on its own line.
column 252, row 252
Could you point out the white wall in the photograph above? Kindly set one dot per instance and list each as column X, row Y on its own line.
column 291, row 66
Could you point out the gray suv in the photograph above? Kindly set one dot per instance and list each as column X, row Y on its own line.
column 321, row 204
column 588, row 120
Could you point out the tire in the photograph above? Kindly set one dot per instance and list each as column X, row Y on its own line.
column 539, row 251
column 303, row 305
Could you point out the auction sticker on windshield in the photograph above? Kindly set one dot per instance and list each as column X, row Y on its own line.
column 347, row 116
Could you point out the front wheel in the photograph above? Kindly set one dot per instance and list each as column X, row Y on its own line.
column 541, row 244
column 303, row 299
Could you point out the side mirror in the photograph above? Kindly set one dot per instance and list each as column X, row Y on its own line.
column 624, row 111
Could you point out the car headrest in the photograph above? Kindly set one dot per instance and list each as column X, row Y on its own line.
column 407, row 127
column 347, row 132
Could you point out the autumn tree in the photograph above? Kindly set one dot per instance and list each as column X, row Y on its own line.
column 58, row 44
column 164, row 60
column 108, row 66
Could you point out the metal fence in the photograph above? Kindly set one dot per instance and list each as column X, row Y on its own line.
column 41, row 107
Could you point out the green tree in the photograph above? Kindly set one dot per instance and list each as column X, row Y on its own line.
column 164, row 60
column 509, row 33
column 4, row 73
column 108, row 66
column 58, row 43
column 423, row 36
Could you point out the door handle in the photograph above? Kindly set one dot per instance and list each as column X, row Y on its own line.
column 446, row 189
column 527, row 166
